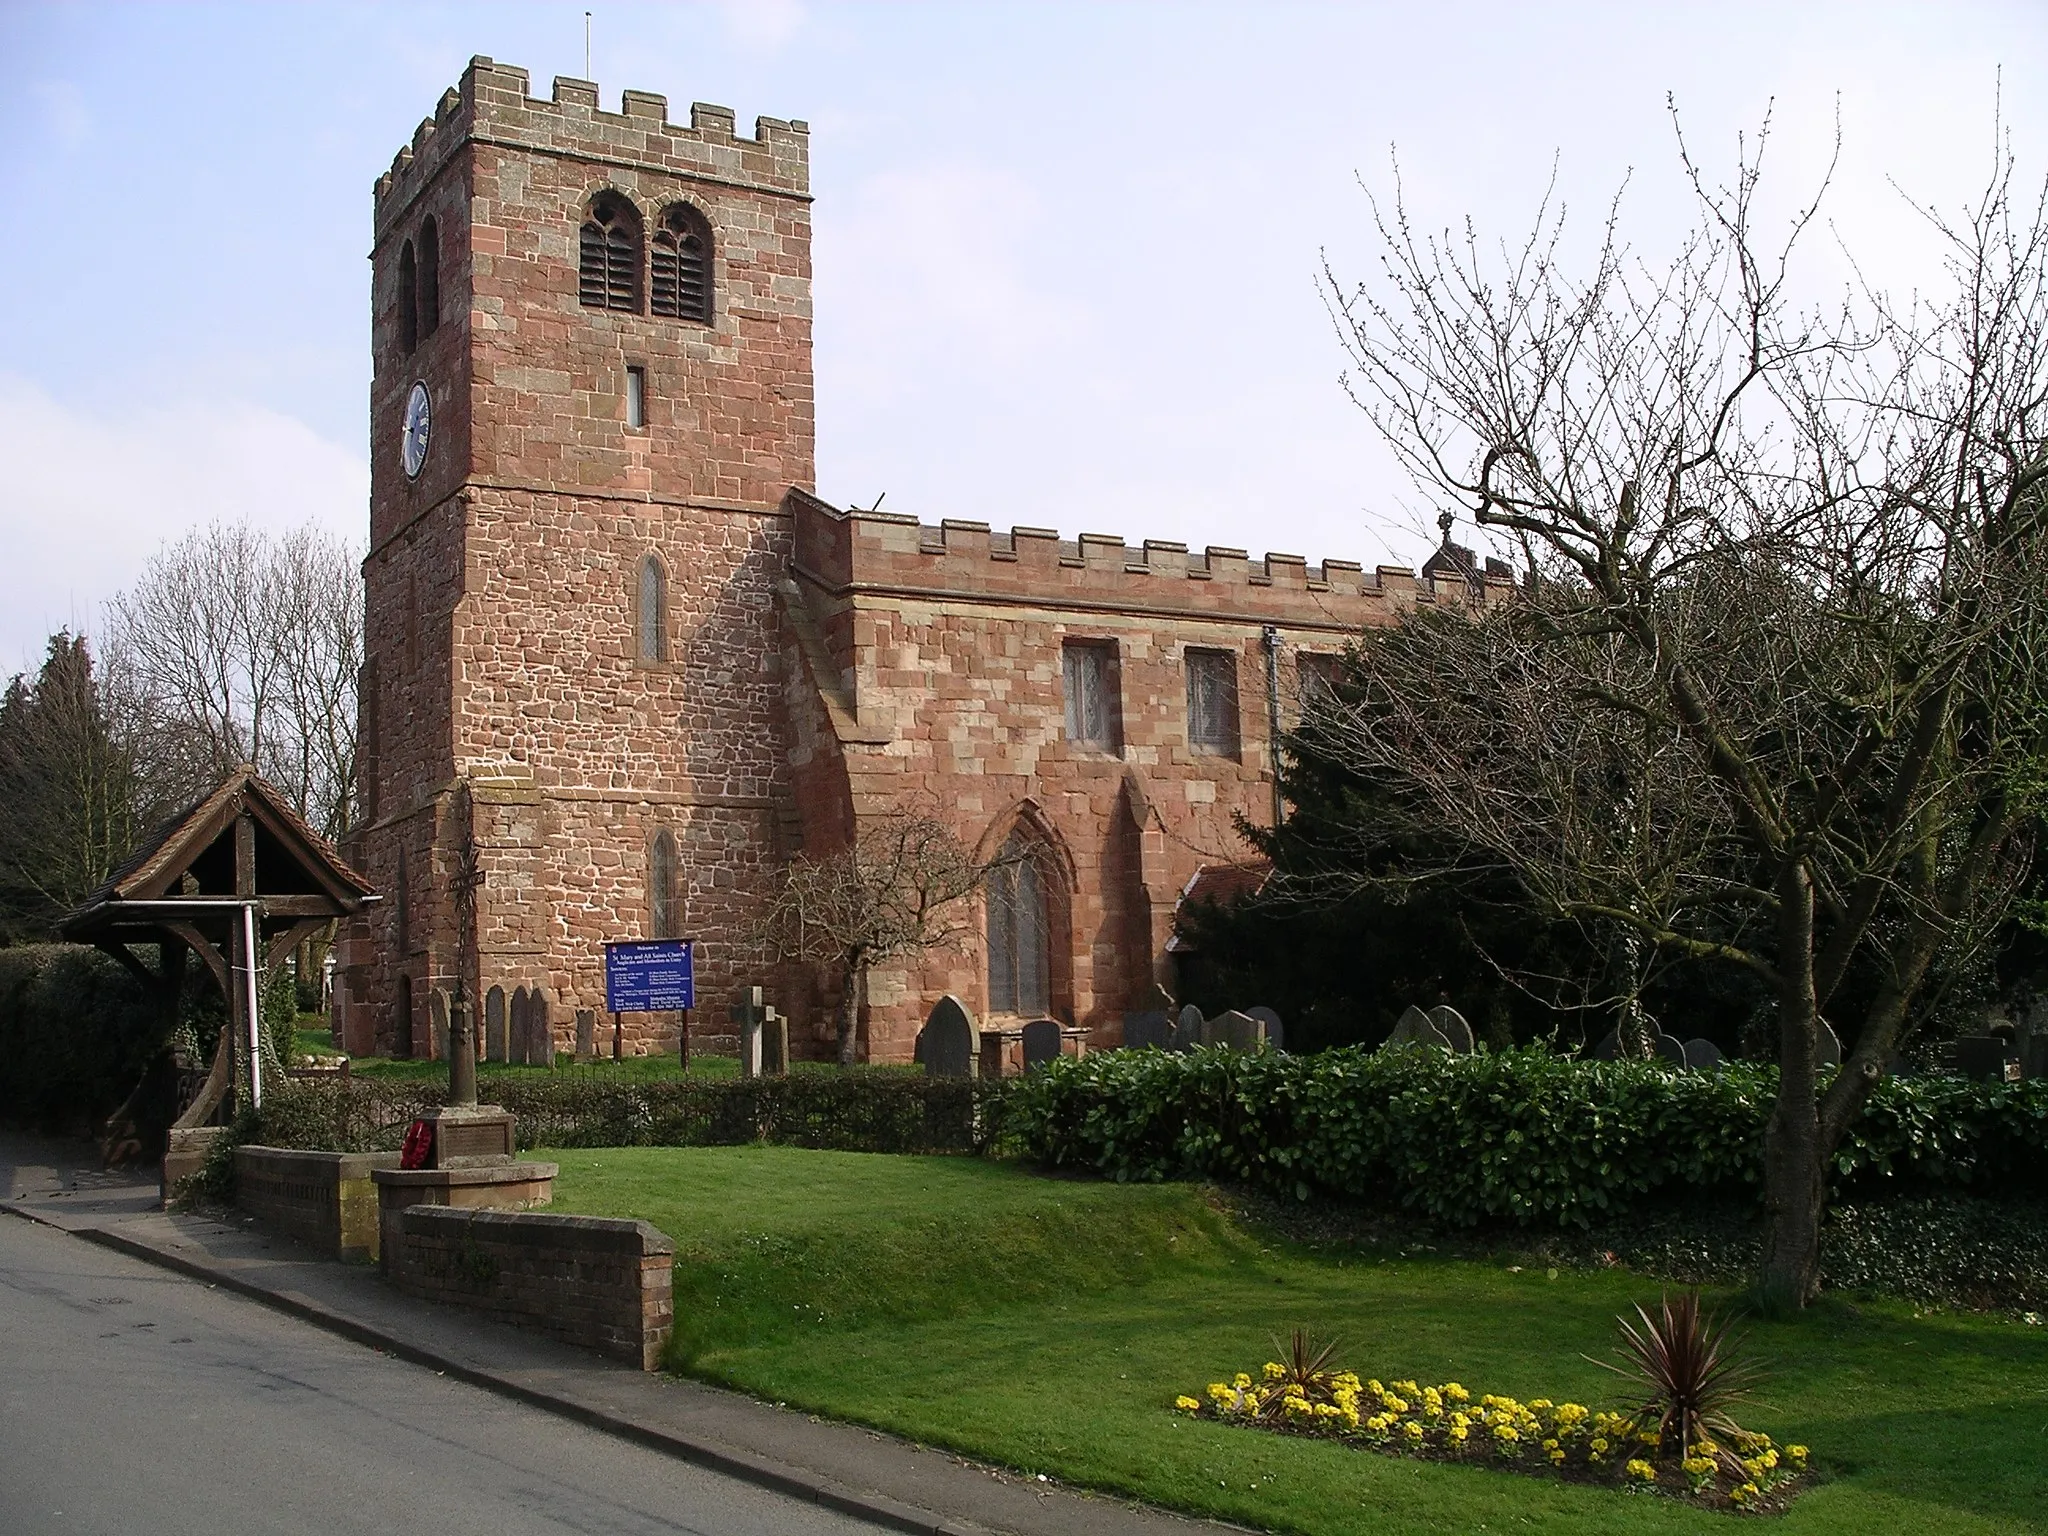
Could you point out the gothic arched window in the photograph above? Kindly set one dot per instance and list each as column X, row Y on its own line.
column 652, row 611
column 680, row 270
column 1019, row 959
column 608, row 256
column 664, row 911
column 408, row 298
column 429, row 278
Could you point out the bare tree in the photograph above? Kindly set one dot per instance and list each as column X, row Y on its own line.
column 899, row 889
column 1775, row 695
column 234, row 646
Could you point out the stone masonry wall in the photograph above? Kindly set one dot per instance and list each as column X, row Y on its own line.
column 946, row 646
column 512, row 563
column 592, row 1281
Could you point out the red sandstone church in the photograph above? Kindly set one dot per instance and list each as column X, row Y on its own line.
column 624, row 663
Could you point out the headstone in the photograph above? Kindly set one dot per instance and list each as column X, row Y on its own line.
column 949, row 1040
column 437, row 1016
column 750, row 1016
column 1702, row 1055
column 1187, row 1031
column 1148, row 1031
column 1452, row 1026
column 1238, row 1031
column 1985, row 1058
column 1416, row 1028
column 1827, row 1048
column 1276, row 1037
column 541, row 1047
column 1041, row 1042
column 775, row 1046
column 519, row 1025
column 586, row 1034
column 1670, row 1048
column 494, row 1025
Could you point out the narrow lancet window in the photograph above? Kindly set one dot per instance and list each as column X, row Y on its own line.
column 680, row 270
column 608, row 256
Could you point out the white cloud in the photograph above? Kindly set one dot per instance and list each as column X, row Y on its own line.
column 87, row 497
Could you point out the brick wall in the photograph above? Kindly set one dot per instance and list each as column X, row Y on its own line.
column 592, row 1281
column 324, row 1199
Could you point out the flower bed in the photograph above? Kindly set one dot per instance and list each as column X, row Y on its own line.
column 1743, row 1471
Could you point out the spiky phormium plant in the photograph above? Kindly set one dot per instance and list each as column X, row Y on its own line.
column 1687, row 1371
column 1304, row 1364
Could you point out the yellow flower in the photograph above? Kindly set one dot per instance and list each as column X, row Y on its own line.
column 1598, row 1447
column 1274, row 1370
column 1642, row 1471
column 1241, row 1381
column 1188, row 1404
column 1743, row 1495
column 1797, row 1454
column 1455, row 1393
column 1458, row 1432
column 1505, row 1434
column 1412, row 1430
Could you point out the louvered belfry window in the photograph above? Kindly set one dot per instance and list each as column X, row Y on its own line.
column 680, row 269
column 608, row 270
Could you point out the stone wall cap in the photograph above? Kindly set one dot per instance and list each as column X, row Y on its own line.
column 496, row 1173
column 352, row 1165
column 562, row 1231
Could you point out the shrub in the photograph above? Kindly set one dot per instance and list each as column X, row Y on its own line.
column 77, row 1031
column 1522, row 1136
column 856, row 1111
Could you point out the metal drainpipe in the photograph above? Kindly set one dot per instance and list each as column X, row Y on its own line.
column 1271, row 635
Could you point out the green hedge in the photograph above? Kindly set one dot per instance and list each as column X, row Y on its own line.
column 858, row 1111
column 77, row 1032
column 1522, row 1136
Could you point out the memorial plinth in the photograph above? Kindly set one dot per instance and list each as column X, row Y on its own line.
column 469, row 1165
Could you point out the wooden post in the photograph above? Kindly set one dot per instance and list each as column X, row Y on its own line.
column 685, row 1041
column 618, row 1039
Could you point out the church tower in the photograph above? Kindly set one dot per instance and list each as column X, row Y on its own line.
column 592, row 392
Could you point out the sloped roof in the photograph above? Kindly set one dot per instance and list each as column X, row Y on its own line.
column 1218, row 884
column 299, row 860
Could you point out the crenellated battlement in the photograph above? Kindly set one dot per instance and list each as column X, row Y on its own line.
column 852, row 551
column 491, row 104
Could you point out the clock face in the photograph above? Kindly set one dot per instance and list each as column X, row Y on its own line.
column 419, row 427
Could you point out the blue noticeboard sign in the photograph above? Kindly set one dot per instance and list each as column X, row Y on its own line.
column 649, row 976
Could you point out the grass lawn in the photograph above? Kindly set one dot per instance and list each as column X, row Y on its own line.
column 1047, row 1324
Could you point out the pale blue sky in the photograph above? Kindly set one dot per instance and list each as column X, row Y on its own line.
column 1066, row 255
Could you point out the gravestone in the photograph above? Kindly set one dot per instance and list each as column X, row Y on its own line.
column 586, row 1034
column 1237, row 1031
column 1985, row 1058
column 1702, row 1055
column 775, row 1045
column 1827, row 1047
column 1452, row 1026
column 515, row 1027
column 1187, row 1031
column 1276, row 1037
column 437, row 1017
column 1416, row 1028
column 750, row 1017
column 523, row 1010
column 1148, row 1031
column 1670, row 1048
column 949, row 1040
column 494, row 1025
column 1041, row 1042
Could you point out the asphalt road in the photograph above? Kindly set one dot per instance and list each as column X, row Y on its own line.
column 136, row 1401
